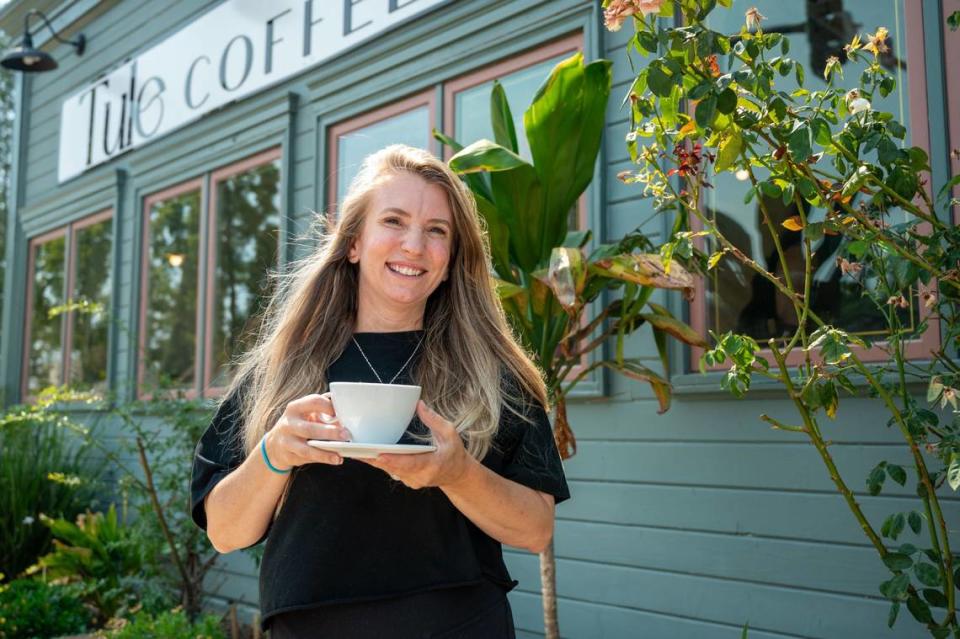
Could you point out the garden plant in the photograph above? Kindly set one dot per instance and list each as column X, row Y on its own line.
column 549, row 280
column 706, row 103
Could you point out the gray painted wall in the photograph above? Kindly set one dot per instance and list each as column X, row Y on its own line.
column 688, row 524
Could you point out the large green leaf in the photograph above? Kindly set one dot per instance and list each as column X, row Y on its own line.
column 499, row 234
column 484, row 155
column 503, row 130
column 564, row 126
column 478, row 183
column 517, row 194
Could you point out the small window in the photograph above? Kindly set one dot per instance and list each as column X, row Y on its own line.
column 68, row 307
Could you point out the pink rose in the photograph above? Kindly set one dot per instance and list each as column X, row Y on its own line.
column 619, row 10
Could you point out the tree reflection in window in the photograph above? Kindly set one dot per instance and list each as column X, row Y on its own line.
column 248, row 230
column 738, row 300
column 91, row 297
column 171, row 309
column 45, row 358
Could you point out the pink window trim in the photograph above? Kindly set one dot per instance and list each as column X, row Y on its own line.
column 195, row 184
column 915, row 349
column 951, row 53
column 66, row 330
column 424, row 98
column 221, row 174
column 567, row 44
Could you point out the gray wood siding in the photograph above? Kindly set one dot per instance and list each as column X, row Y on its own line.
column 683, row 525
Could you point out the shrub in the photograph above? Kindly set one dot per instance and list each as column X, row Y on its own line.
column 168, row 625
column 33, row 608
column 41, row 465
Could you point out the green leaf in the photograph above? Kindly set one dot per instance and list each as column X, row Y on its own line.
column 913, row 519
column 799, row 144
column 770, row 189
column 855, row 181
column 935, row 598
column 896, row 588
column 953, row 471
column 892, row 615
column 564, row 126
column 659, row 82
column 484, row 155
column 897, row 561
column 503, row 130
column 875, row 483
column 727, row 101
column 706, row 111
column 897, row 474
column 919, row 609
column 730, row 148
column 927, row 574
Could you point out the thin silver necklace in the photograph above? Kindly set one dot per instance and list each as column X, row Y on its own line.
column 379, row 379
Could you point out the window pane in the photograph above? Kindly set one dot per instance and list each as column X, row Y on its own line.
column 472, row 106
column 88, row 353
column 411, row 128
column 738, row 300
column 45, row 360
column 173, row 263
column 248, row 234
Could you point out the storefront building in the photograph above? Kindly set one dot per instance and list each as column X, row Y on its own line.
column 161, row 174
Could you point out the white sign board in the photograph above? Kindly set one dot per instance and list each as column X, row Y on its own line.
column 227, row 54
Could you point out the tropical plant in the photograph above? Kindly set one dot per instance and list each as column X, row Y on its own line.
column 853, row 190
column 44, row 469
column 547, row 280
column 33, row 608
column 107, row 560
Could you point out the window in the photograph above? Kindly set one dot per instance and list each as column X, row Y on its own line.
column 205, row 273
column 738, row 300
column 408, row 121
column 68, row 306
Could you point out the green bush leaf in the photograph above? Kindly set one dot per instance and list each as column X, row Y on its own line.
column 892, row 615
column 935, row 598
column 729, row 151
column 927, row 574
column 915, row 522
column 919, row 609
column 897, row 561
column 895, row 589
column 706, row 111
column 897, row 474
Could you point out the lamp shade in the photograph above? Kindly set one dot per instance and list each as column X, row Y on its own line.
column 26, row 58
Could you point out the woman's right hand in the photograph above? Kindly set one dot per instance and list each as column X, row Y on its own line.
column 309, row 417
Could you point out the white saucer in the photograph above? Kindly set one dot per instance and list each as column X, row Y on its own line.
column 369, row 451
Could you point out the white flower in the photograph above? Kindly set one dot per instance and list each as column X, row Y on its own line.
column 28, row 520
column 742, row 174
column 859, row 105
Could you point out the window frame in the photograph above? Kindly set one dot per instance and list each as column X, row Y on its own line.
column 918, row 120
column 69, row 234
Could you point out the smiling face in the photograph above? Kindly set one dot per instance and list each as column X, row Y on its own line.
column 403, row 252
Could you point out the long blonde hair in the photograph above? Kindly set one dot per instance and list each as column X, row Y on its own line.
column 468, row 348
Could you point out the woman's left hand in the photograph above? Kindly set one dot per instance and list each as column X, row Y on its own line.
column 443, row 467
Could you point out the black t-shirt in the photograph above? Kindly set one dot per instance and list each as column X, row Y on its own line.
column 350, row 533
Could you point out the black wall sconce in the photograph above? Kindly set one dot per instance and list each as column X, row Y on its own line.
column 28, row 59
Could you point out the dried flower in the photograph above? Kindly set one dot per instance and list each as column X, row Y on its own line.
column 859, row 106
column 833, row 64
column 849, row 268
column 877, row 43
column 619, row 10
column 753, row 18
column 928, row 296
column 898, row 300
column 714, row 67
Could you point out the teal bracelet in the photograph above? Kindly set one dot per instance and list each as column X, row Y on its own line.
column 266, row 460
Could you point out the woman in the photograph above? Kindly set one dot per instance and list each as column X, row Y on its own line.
column 398, row 546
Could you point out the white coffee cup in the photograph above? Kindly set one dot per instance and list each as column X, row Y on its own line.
column 374, row 413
